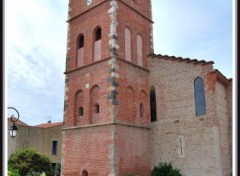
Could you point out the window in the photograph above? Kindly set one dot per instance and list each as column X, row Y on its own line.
column 153, row 105
column 54, row 147
column 98, row 34
column 79, row 104
column 181, row 146
column 200, row 103
column 127, row 44
column 81, row 41
column 95, row 100
column 141, row 110
column 97, row 44
column 97, row 109
column 80, row 51
column 81, row 111
column 53, row 166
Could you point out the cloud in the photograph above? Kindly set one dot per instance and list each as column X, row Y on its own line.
column 35, row 51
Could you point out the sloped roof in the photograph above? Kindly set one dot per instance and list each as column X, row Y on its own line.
column 19, row 122
column 49, row 125
column 219, row 76
column 180, row 59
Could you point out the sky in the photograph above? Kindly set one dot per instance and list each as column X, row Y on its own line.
column 36, row 39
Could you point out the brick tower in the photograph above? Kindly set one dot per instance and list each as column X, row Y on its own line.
column 106, row 109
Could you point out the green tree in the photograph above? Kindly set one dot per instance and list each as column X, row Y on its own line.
column 165, row 169
column 30, row 162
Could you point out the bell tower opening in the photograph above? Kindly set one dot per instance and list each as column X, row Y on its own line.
column 97, row 44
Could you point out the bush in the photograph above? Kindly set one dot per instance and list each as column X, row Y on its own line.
column 29, row 162
column 12, row 171
column 165, row 169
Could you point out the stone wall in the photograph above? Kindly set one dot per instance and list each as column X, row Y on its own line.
column 37, row 138
column 198, row 145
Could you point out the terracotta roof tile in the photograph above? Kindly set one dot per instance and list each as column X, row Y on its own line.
column 19, row 122
column 180, row 59
column 49, row 125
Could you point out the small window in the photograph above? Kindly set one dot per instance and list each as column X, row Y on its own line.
column 54, row 147
column 98, row 34
column 53, row 166
column 153, row 105
column 81, row 42
column 96, row 108
column 81, row 111
column 141, row 110
column 200, row 103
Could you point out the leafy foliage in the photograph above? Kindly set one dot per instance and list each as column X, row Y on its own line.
column 13, row 172
column 165, row 169
column 57, row 170
column 29, row 162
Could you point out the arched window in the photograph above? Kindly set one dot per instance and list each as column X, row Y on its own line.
column 153, row 105
column 98, row 35
column 97, row 44
column 95, row 104
column 200, row 103
column 130, row 105
column 79, row 102
column 139, row 50
column 80, row 43
column 128, row 44
column 84, row 173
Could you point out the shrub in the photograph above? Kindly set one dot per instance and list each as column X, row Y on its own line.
column 165, row 169
column 29, row 162
column 12, row 171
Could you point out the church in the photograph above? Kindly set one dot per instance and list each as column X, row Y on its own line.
column 126, row 108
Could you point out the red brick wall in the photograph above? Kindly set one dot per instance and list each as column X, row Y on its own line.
column 85, row 79
column 86, row 25
column 77, row 7
column 136, row 78
column 133, row 152
column 87, row 149
column 142, row 6
column 127, row 18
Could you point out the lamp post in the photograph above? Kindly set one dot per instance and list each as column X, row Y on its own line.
column 13, row 128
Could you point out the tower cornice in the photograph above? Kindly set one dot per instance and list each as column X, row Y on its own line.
column 104, row 60
column 97, row 5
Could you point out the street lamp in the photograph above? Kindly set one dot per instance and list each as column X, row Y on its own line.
column 13, row 128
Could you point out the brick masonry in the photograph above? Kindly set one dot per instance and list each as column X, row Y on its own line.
column 119, row 138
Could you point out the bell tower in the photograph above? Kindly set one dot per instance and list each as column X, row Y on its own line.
column 106, row 108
